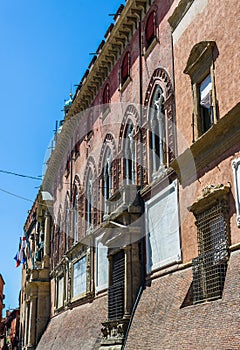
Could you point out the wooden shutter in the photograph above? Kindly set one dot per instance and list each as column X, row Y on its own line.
column 150, row 28
column 116, row 290
column 125, row 68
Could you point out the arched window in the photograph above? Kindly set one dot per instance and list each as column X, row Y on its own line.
column 107, row 177
column 67, row 226
column 89, row 199
column 125, row 68
column 150, row 29
column 75, row 216
column 130, row 155
column 106, row 97
column 157, row 132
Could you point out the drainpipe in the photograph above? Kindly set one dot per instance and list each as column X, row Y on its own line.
column 131, row 317
column 173, row 84
column 140, row 100
column 141, row 172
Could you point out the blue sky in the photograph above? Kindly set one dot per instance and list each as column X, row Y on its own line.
column 44, row 50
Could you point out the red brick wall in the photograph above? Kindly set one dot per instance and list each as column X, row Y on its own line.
column 160, row 323
column 78, row 328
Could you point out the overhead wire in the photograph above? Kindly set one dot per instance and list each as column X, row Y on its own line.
column 16, row 195
column 21, row 175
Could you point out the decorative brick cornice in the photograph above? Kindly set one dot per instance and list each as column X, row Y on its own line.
column 117, row 39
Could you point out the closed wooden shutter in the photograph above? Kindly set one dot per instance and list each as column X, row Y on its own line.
column 106, row 95
column 116, row 290
column 150, row 28
column 125, row 68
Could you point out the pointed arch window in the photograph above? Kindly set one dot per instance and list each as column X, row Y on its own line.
column 89, row 200
column 125, row 68
column 107, row 178
column 67, row 226
column 130, row 155
column 106, row 98
column 75, row 216
column 150, row 29
column 59, row 237
column 157, row 132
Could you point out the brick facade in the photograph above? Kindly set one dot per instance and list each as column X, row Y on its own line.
column 151, row 178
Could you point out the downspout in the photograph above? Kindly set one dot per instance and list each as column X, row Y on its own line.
column 71, row 172
column 140, row 101
column 141, row 173
column 131, row 316
column 173, row 84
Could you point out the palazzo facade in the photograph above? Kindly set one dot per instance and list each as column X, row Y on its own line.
column 134, row 238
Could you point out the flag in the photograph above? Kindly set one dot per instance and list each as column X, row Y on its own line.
column 20, row 257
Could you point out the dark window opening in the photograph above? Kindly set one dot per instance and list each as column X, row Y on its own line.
column 205, row 103
column 125, row 68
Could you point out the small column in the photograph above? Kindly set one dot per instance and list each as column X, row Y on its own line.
column 128, row 282
column 32, row 321
column 47, row 239
column 26, row 323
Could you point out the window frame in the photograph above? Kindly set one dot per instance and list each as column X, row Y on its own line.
column 59, row 278
column 101, row 286
column 89, row 200
column 130, row 155
column 210, row 266
column 106, row 100
column 75, row 218
column 83, row 292
column 149, row 41
column 107, row 178
column 125, row 78
column 158, row 146
column 151, row 266
column 200, row 65
column 116, row 301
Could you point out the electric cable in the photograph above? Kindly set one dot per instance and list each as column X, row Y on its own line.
column 21, row 175
column 16, row 195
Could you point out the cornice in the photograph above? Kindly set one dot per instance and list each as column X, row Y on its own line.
column 179, row 12
column 117, row 38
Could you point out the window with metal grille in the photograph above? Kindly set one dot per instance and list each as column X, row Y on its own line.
column 209, row 268
column 150, row 30
column 116, row 290
column 125, row 68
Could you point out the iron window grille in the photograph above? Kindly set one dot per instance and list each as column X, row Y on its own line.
column 209, row 268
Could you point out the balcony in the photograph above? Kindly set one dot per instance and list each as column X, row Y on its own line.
column 125, row 200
